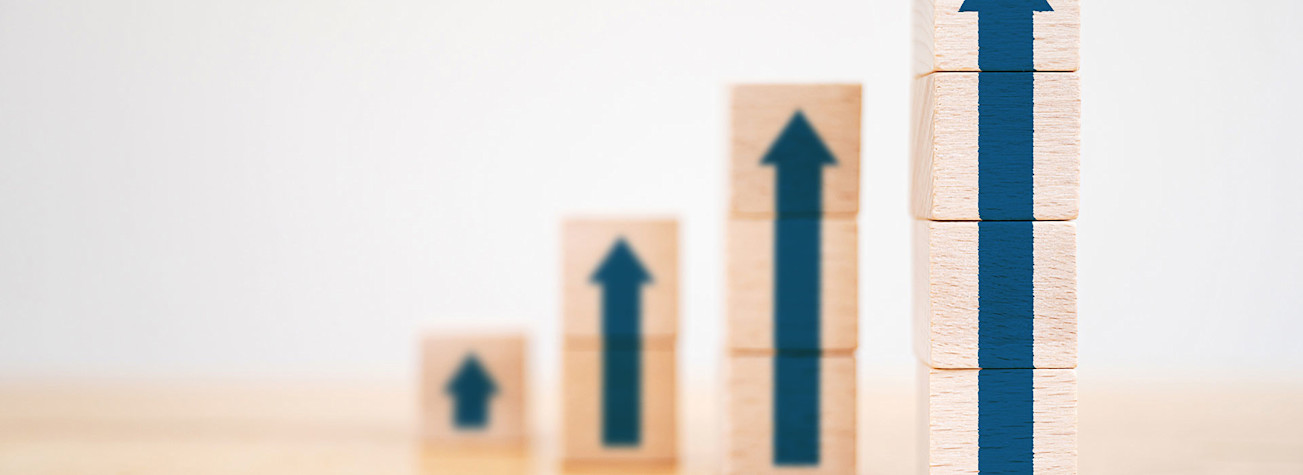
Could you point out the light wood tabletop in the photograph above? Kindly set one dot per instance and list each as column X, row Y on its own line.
column 359, row 428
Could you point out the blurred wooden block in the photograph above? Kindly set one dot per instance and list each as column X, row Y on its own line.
column 619, row 405
column 947, row 39
column 1000, row 421
column 753, row 283
column 1031, row 294
column 802, row 129
column 751, row 445
column 946, row 151
column 634, row 264
column 473, row 389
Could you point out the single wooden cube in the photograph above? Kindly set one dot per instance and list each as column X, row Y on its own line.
column 473, row 389
column 795, row 149
column 1042, row 36
column 620, row 278
column 792, row 284
column 789, row 414
column 1021, row 164
column 619, row 404
column 1000, row 421
column 996, row 294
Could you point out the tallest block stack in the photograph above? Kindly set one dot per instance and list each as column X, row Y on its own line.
column 996, row 165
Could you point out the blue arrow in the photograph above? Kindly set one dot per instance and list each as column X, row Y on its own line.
column 621, row 276
column 471, row 387
column 1005, row 436
column 798, row 155
column 1004, row 32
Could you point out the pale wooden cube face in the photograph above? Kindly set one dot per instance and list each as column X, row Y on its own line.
column 752, row 418
column 1027, row 419
column 473, row 389
column 597, row 429
column 753, row 284
column 948, row 295
column 947, row 39
column 768, row 135
column 646, row 270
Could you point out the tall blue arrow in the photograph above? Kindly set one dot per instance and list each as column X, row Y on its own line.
column 471, row 387
column 621, row 276
column 798, row 155
column 1006, row 127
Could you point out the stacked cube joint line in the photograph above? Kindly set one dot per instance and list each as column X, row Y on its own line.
column 996, row 166
column 620, row 307
column 792, row 272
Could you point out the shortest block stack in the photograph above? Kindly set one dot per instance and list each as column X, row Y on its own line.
column 620, row 298
column 473, row 390
column 792, row 297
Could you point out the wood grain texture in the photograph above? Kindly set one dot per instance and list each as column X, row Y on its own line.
column 945, row 150
column 749, row 407
column 503, row 358
column 947, row 40
column 950, row 416
column 946, row 294
column 759, row 114
column 587, row 241
column 750, row 256
column 582, row 404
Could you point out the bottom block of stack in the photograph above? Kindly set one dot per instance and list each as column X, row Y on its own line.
column 790, row 414
column 619, row 405
column 1000, row 420
column 473, row 389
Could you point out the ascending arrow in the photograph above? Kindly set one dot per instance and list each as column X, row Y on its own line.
column 471, row 387
column 799, row 156
column 621, row 276
column 1004, row 32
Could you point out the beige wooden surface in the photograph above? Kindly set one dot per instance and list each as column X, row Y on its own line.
column 368, row 428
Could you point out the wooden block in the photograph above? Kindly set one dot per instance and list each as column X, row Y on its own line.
column 754, row 281
column 619, row 405
column 752, row 415
column 782, row 136
column 626, row 270
column 997, row 421
column 1030, row 294
column 473, row 389
column 948, row 39
column 948, row 160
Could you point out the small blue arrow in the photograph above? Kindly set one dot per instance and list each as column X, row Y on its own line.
column 798, row 156
column 621, row 276
column 471, row 387
column 1004, row 32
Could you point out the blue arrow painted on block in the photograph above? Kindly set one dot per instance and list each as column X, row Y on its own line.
column 1005, row 438
column 1004, row 32
column 471, row 388
column 621, row 276
column 798, row 155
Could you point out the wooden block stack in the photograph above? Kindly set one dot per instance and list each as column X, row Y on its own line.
column 473, row 390
column 792, row 295
column 996, row 166
column 621, row 294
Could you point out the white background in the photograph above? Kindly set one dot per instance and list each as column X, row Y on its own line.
column 294, row 189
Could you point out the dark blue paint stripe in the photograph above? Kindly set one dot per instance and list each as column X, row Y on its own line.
column 1005, row 146
column 1005, row 421
column 1005, row 32
column 797, row 275
column 796, row 409
column 1005, row 305
column 622, row 395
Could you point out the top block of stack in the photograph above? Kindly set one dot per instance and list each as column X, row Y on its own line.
column 795, row 150
column 628, row 268
column 948, row 34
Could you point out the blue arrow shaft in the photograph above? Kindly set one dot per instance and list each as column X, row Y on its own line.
column 1005, row 39
column 1005, row 421
column 796, row 409
column 472, row 412
column 622, row 311
column 797, row 338
column 1006, row 310
column 799, row 189
column 1005, row 146
column 621, row 364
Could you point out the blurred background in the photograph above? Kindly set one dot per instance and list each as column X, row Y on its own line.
column 293, row 190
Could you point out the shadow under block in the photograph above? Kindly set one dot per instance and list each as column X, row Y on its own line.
column 946, row 150
column 1000, row 421
column 596, row 427
column 751, row 414
column 1030, row 294
column 771, row 129
column 753, row 281
column 947, row 39
column 473, row 389
column 621, row 262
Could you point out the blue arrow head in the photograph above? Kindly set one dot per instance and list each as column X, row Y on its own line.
column 799, row 145
column 1006, row 5
column 621, row 267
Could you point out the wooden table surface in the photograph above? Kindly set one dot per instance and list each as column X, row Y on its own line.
column 362, row 428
